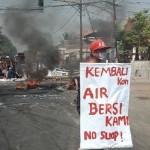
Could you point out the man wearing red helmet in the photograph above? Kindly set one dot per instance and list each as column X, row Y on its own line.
column 98, row 54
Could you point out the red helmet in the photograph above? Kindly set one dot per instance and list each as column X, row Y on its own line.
column 98, row 45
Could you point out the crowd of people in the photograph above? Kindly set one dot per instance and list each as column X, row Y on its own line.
column 11, row 71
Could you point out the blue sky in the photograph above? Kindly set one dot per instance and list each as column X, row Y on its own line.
column 57, row 20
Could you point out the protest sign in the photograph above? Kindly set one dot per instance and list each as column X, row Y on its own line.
column 104, row 100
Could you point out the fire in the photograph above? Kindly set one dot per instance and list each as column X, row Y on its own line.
column 29, row 85
column 19, row 86
column 68, row 84
column 54, row 79
column 33, row 84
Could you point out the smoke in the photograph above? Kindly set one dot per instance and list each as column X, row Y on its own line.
column 121, row 11
column 23, row 28
column 103, row 30
column 103, row 27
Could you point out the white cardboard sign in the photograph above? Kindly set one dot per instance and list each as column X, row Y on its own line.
column 104, row 100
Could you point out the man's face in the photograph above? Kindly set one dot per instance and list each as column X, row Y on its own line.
column 101, row 54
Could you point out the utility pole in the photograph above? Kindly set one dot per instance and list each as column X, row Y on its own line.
column 80, row 30
column 41, row 3
column 113, row 16
column 114, row 35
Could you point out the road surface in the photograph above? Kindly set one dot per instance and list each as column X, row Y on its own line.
column 44, row 119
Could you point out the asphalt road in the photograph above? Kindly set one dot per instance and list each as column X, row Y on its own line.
column 44, row 119
column 37, row 119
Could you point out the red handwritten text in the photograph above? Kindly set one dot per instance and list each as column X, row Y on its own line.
column 89, row 135
column 107, row 108
column 113, row 71
column 109, row 136
column 98, row 93
column 112, row 121
column 122, row 81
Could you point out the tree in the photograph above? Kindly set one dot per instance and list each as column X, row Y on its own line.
column 65, row 36
column 139, row 35
column 6, row 47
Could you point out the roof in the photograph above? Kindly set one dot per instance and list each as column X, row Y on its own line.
column 129, row 26
column 98, row 35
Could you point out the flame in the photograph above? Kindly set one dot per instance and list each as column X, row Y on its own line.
column 19, row 86
column 33, row 84
column 30, row 85
column 68, row 84
column 55, row 79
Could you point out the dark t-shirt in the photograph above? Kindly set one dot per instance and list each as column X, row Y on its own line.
column 11, row 73
column 1, row 74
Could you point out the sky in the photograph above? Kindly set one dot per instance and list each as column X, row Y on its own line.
column 54, row 21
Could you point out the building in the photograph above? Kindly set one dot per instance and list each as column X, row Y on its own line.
column 70, row 51
column 97, row 35
column 129, row 26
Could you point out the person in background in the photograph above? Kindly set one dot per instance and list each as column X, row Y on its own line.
column 11, row 73
column 2, row 75
column 4, row 70
column 18, row 71
column 76, row 82
column 7, row 70
column 24, row 74
column 98, row 55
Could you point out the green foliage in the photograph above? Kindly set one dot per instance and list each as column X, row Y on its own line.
column 143, row 49
column 65, row 36
column 139, row 35
column 6, row 46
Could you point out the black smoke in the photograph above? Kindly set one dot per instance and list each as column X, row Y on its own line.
column 104, row 27
column 24, row 29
